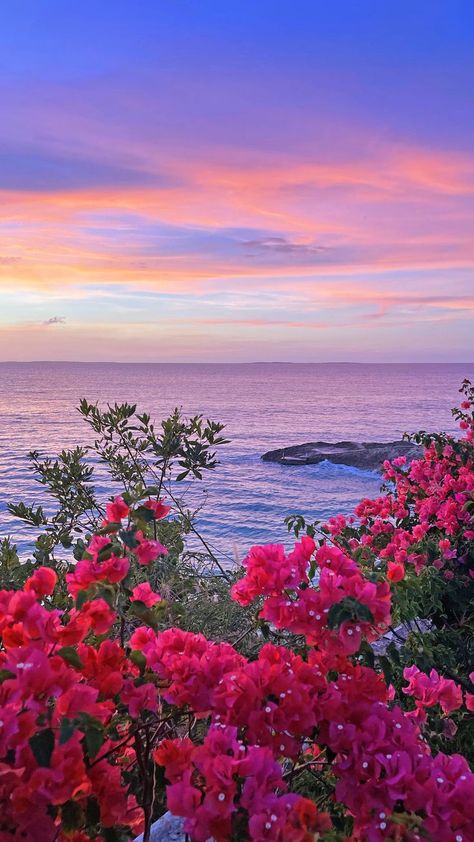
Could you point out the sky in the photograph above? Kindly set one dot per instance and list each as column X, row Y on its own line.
column 237, row 180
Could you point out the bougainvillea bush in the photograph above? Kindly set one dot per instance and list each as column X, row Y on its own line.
column 335, row 725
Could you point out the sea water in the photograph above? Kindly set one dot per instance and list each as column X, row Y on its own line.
column 264, row 406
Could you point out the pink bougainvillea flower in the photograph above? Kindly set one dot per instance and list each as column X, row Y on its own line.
column 145, row 594
column 87, row 572
column 148, row 550
column 433, row 689
column 42, row 582
column 81, row 715
column 98, row 615
column 395, row 571
column 159, row 509
column 117, row 510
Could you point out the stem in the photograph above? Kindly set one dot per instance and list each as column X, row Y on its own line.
column 142, row 763
column 201, row 539
column 244, row 634
column 162, row 477
column 331, row 539
column 111, row 751
column 297, row 769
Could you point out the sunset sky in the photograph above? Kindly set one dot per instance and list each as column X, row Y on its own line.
column 243, row 180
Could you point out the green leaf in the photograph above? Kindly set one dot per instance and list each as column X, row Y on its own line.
column 92, row 811
column 107, row 551
column 70, row 656
column 107, row 593
column 111, row 834
column 150, row 491
column 72, row 816
column 368, row 654
column 140, row 610
column 66, row 730
column 264, row 628
column 78, row 551
column 138, row 658
column 394, row 654
column 386, row 665
column 5, row 674
column 348, row 609
column 94, row 738
column 42, row 746
column 82, row 598
column 145, row 514
column 96, row 591
column 128, row 538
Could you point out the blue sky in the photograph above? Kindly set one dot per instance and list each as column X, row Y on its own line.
column 285, row 180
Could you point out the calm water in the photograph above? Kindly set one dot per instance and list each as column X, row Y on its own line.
column 263, row 406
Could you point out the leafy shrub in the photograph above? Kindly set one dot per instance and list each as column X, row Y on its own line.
column 323, row 729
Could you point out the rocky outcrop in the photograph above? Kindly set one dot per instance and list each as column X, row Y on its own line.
column 365, row 455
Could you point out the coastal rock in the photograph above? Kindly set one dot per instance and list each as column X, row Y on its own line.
column 365, row 455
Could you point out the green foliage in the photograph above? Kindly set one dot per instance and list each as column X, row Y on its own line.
column 147, row 461
column 348, row 609
column 13, row 573
column 446, row 642
column 199, row 601
column 133, row 448
column 42, row 745
column 144, row 460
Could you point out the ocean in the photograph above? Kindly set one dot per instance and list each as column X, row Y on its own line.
column 264, row 406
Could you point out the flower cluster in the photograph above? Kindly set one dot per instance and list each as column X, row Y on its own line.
column 272, row 708
column 69, row 697
column 53, row 704
column 428, row 517
column 434, row 689
column 334, row 614
column 98, row 712
column 223, row 780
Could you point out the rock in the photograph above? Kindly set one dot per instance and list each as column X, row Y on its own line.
column 400, row 635
column 365, row 455
column 167, row 829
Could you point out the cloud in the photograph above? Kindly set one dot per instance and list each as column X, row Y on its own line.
column 282, row 246
column 407, row 208
column 265, row 322
column 344, row 246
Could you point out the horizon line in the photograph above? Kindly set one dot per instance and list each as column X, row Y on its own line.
column 237, row 362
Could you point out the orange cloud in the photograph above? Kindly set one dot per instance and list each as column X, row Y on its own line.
column 405, row 209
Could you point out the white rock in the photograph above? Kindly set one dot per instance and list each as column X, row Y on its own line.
column 168, row 828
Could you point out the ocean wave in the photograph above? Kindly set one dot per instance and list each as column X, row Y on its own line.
column 333, row 469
